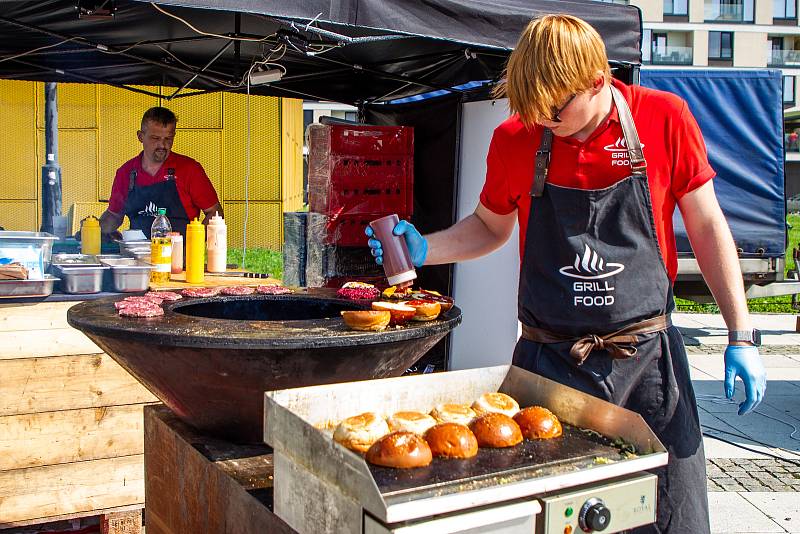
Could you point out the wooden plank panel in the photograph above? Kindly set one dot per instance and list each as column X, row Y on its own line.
column 188, row 493
column 50, row 438
column 43, row 492
column 32, row 385
column 43, row 343
column 34, row 316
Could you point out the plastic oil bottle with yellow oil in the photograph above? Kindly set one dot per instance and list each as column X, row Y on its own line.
column 160, row 248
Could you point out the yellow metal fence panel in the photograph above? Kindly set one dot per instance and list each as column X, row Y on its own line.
column 18, row 169
column 77, row 105
column 80, row 210
column 264, row 224
column 292, row 153
column 205, row 146
column 119, row 115
column 19, row 215
column 199, row 111
column 77, row 157
column 265, row 143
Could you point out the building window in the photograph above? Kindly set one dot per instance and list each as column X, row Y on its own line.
column 728, row 10
column 720, row 45
column 676, row 7
column 647, row 45
column 788, row 90
column 784, row 9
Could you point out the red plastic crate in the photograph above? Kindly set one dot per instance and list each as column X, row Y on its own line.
column 363, row 196
column 361, row 140
column 348, row 230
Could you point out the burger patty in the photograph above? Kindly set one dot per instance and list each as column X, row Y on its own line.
column 141, row 310
column 238, row 290
column 201, row 292
column 135, row 301
column 274, row 290
column 163, row 295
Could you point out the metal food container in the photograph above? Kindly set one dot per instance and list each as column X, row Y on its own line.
column 27, row 288
column 76, row 260
column 139, row 249
column 38, row 241
column 575, row 471
column 81, row 280
column 128, row 275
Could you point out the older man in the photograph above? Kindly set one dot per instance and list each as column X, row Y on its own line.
column 159, row 178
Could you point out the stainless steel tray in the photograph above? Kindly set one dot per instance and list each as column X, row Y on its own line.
column 293, row 418
column 81, row 279
column 76, row 260
column 27, row 288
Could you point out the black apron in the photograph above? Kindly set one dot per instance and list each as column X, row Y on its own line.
column 143, row 203
column 592, row 265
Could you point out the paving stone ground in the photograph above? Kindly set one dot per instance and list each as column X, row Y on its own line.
column 742, row 474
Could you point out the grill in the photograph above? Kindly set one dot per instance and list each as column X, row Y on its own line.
column 555, row 486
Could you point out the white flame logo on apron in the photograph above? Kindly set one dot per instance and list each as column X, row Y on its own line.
column 591, row 266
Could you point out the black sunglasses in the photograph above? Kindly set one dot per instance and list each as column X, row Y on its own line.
column 558, row 111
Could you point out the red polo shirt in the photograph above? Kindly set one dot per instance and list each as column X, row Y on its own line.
column 673, row 147
column 194, row 188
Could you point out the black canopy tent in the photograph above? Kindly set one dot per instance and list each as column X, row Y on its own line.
column 362, row 52
column 351, row 51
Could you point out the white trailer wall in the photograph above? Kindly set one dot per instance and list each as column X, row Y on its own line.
column 485, row 289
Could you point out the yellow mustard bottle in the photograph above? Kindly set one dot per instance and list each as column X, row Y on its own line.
column 90, row 235
column 195, row 251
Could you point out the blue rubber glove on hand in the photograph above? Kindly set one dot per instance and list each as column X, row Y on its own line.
column 743, row 361
column 417, row 245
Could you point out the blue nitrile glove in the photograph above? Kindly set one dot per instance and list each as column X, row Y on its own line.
column 417, row 245
column 743, row 361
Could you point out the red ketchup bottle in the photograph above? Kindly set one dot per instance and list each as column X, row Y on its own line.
column 396, row 259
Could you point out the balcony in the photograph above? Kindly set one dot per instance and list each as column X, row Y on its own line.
column 671, row 55
column 783, row 58
column 728, row 12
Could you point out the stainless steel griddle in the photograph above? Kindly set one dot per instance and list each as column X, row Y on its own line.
column 321, row 486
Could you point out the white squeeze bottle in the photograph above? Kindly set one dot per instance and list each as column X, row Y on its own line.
column 217, row 244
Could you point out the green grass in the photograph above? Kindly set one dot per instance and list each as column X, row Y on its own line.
column 259, row 260
column 764, row 305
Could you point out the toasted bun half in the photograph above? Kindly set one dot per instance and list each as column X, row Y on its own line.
column 451, row 440
column 453, row 413
column 495, row 402
column 425, row 309
column 496, row 430
column 368, row 320
column 401, row 313
column 400, row 449
column 416, row 422
column 359, row 432
column 538, row 423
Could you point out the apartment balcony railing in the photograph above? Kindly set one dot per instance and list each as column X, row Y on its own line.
column 718, row 12
column 671, row 55
column 783, row 58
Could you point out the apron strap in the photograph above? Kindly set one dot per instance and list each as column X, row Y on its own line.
column 635, row 154
column 620, row 344
column 542, row 163
column 132, row 180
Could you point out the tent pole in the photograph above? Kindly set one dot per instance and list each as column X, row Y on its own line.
column 51, row 171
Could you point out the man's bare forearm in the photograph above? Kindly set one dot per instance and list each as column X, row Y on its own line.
column 470, row 238
column 716, row 255
column 110, row 222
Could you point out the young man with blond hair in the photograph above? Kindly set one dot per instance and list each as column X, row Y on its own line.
column 592, row 169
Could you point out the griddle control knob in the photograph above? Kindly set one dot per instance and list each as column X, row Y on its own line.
column 594, row 516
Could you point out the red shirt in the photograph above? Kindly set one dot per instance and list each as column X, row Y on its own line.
column 194, row 188
column 673, row 147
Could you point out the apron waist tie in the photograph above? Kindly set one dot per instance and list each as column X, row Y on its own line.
column 619, row 344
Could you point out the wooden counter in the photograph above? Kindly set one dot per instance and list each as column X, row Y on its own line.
column 196, row 484
column 71, row 424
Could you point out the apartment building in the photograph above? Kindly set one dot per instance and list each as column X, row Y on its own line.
column 730, row 33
